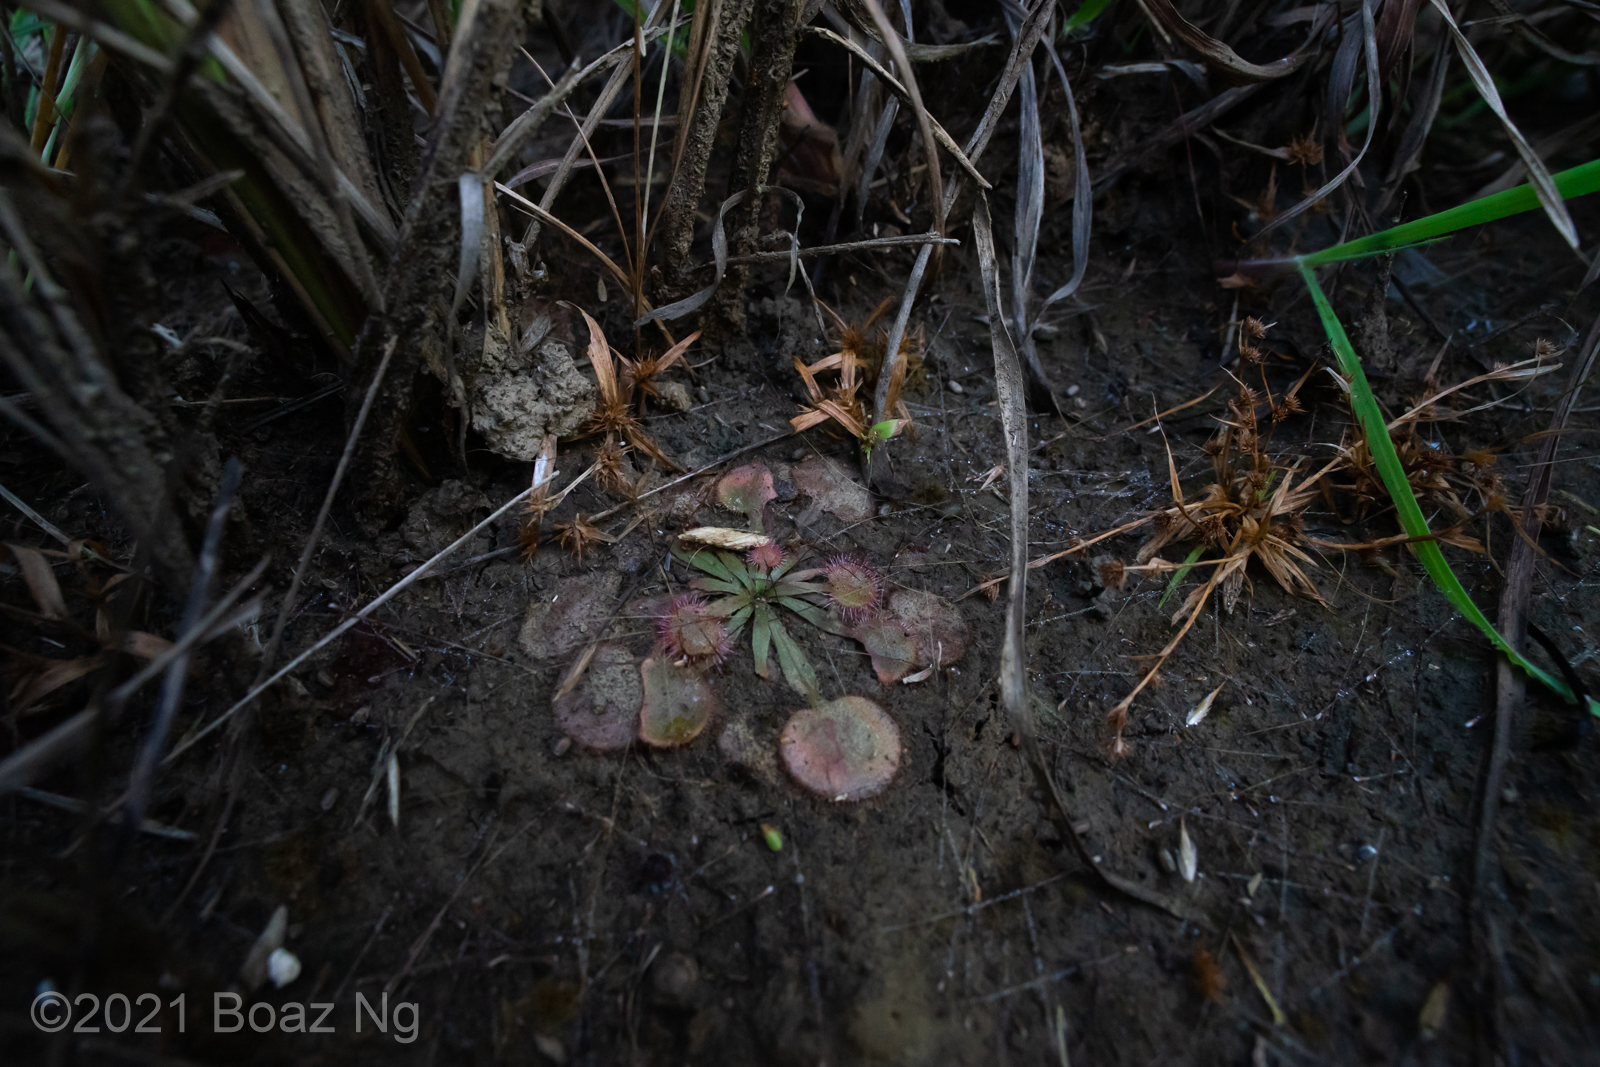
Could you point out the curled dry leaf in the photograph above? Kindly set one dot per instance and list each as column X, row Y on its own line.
column 831, row 489
column 846, row 749
column 557, row 623
column 677, row 703
column 1202, row 709
column 723, row 537
column 602, row 712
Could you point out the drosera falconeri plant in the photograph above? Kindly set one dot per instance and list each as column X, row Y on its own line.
column 758, row 596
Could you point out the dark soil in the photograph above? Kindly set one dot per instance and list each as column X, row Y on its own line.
column 537, row 902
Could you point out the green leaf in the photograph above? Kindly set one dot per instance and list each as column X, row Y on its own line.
column 797, row 669
column 1085, row 14
column 1178, row 575
column 717, row 585
column 728, row 605
column 761, row 639
column 1409, row 512
column 1579, row 181
column 737, row 620
column 704, row 559
column 812, row 614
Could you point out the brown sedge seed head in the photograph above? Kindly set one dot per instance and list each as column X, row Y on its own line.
column 852, row 586
column 690, row 631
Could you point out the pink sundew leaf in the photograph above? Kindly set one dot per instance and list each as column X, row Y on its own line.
column 934, row 624
column 893, row 650
column 847, row 749
column 602, row 712
column 747, row 489
column 678, row 702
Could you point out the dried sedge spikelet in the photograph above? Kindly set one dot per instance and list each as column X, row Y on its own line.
column 1256, row 480
column 528, row 535
column 1110, row 572
column 852, row 586
column 577, row 534
column 1543, row 349
column 991, row 588
column 1215, row 530
column 765, row 558
column 1303, row 150
column 1244, row 441
column 1256, row 328
column 1209, row 979
column 1249, row 352
column 1246, row 400
column 608, row 465
column 691, row 633
column 1289, row 527
column 1289, row 405
column 1215, row 445
column 1165, row 522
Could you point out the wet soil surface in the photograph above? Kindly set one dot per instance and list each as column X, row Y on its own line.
column 539, row 902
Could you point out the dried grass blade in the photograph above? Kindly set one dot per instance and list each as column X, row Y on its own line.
column 1369, row 42
column 1538, row 176
column 935, row 130
column 1033, row 29
column 1083, row 197
column 925, row 122
column 1013, row 655
column 41, row 581
column 1224, row 59
column 470, row 187
column 542, row 215
column 528, row 123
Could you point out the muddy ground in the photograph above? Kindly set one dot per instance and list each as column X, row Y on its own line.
column 538, row 903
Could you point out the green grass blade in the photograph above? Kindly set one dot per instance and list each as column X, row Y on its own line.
column 1579, row 181
column 1409, row 512
column 1177, row 575
column 1085, row 14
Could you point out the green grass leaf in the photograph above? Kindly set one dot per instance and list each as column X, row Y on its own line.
column 1178, row 575
column 1085, row 14
column 1578, row 181
column 1409, row 512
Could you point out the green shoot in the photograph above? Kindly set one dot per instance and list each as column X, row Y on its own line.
column 1178, row 575
column 1409, row 512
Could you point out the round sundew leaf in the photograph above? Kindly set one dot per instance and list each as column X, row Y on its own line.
column 602, row 712
column 847, row 749
column 678, row 703
column 746, row 488
column 934, row 624
column 894, row 651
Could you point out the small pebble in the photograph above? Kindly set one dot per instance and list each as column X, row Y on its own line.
column 324, row 679
column 562, row 744
column 1072, row 390
column 330, row 798
column 955, row 387
column 703, row 394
